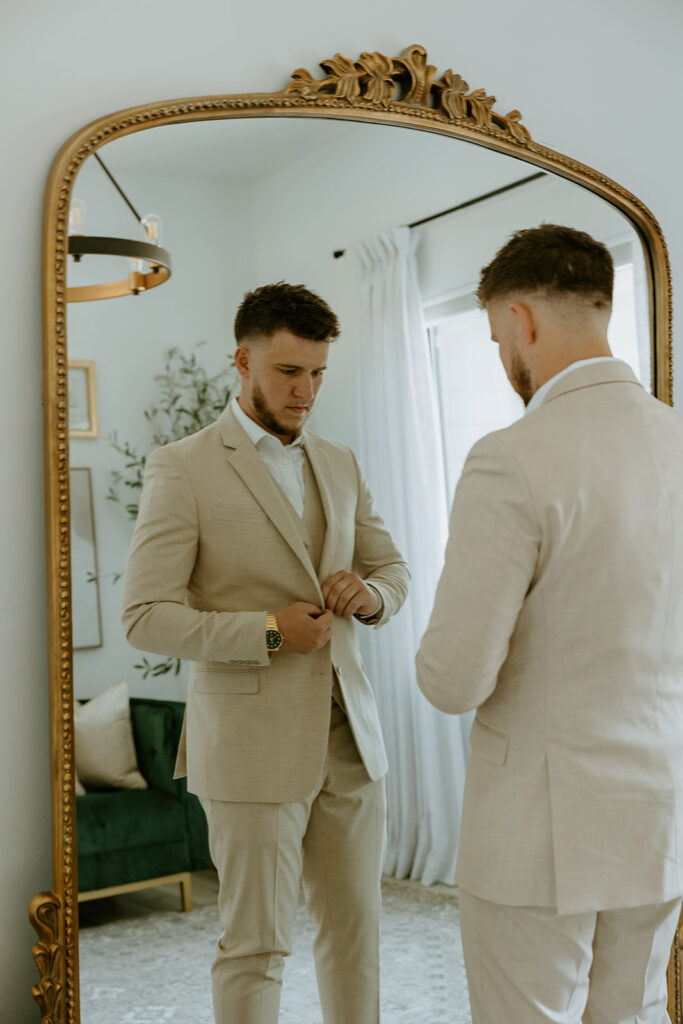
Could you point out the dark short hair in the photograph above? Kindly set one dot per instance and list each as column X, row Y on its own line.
column 291, row 307
column 553, row 259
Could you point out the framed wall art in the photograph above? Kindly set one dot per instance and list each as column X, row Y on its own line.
column 87, row 620
column 82, row 399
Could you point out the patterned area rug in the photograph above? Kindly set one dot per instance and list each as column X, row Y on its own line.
column 155, row 969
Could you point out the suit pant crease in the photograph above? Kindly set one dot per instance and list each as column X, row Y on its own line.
column 333, row 841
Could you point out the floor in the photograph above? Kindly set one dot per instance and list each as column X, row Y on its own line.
column 143, row 961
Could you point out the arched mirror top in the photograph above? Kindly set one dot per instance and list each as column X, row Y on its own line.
column 404, row 91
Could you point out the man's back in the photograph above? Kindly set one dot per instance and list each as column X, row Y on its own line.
column 603, row 465
column 557, row 616
column 570, row 645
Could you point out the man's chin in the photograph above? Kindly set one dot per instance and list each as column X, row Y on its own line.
column 289, row 430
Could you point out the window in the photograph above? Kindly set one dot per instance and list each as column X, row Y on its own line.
column 473, row 390
column 474, row 395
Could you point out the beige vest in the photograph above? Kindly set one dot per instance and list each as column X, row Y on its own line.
column 312, row 527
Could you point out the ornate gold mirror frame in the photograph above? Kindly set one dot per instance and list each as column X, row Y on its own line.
column 403, row 91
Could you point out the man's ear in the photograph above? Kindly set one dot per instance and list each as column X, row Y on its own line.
column 242, row 360
column 525, row 319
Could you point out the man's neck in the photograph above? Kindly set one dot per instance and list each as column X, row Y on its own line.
column 540, row 392
column 251, row 414
column 549, row 368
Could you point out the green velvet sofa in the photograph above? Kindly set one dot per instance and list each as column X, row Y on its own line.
column 132, row 839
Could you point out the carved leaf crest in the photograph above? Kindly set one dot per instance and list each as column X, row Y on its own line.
column 343, row 80
column 518, row 131
column 379, row 69
column 303, row 83
column 414, row 60
column 453, row 89
column 345, row 76
column 408, row 80
column 480, row 107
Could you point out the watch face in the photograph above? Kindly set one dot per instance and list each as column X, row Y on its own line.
column 273, row 639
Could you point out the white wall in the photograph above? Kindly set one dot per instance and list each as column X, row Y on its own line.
column 598, row 81
column 127, row 339
column 368, row 181
column 454, row 248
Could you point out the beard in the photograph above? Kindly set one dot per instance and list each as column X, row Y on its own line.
column 520, row 378
column 267, row 417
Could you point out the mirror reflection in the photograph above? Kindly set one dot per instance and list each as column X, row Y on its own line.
column 244, row 203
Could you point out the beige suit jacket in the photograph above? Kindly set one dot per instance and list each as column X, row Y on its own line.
column 215, row 547
column 559, row 616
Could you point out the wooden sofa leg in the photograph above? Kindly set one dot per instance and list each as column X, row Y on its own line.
column 186, row 891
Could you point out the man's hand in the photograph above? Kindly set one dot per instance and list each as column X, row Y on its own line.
column 304, row 627
column 346, row 595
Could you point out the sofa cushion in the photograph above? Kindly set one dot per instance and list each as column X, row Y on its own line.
column 126, row 819
column 105, row 751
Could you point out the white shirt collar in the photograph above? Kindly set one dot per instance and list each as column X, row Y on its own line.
column 539, row 395
column 257, row 433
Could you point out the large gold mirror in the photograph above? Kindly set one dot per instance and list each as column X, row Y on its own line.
column 256, row 188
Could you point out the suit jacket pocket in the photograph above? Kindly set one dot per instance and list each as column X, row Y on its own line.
column 239, row 514
column 222, row 680
column 489, row 743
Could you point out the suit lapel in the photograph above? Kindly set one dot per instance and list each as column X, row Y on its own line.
column 322, row 471
column 243, row 457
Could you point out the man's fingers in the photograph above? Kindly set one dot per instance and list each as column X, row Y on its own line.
column 331, row 581
column 343, row 592
column 335, row 586
column 349, row 603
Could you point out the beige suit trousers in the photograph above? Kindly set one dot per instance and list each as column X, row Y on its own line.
column 531, row 965
column 334, row 841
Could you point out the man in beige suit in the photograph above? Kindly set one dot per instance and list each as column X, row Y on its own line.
column 559, row 617
column 255, row 547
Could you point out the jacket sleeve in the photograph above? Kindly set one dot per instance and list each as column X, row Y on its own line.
column 156, row 615
column 376, row 559
column 490, row 561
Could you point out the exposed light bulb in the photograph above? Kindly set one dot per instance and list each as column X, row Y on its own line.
column 77, row 212
column 152, row 225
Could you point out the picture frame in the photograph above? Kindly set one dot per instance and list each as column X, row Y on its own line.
column 83, row 420
column 85, row 585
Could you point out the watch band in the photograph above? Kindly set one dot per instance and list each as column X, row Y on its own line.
column 274, row 638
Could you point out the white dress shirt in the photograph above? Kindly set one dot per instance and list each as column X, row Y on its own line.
column 539, row 395
column 286, row 464
column 285, row 461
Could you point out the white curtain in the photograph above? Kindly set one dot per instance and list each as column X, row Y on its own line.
column 401, row 452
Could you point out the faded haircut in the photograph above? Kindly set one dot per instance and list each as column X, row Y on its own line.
column 282, row 306
column 553, row 259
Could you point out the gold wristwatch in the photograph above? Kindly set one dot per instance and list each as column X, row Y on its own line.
column 274, row 638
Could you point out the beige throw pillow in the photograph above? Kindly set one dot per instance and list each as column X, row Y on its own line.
column 105, row 750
